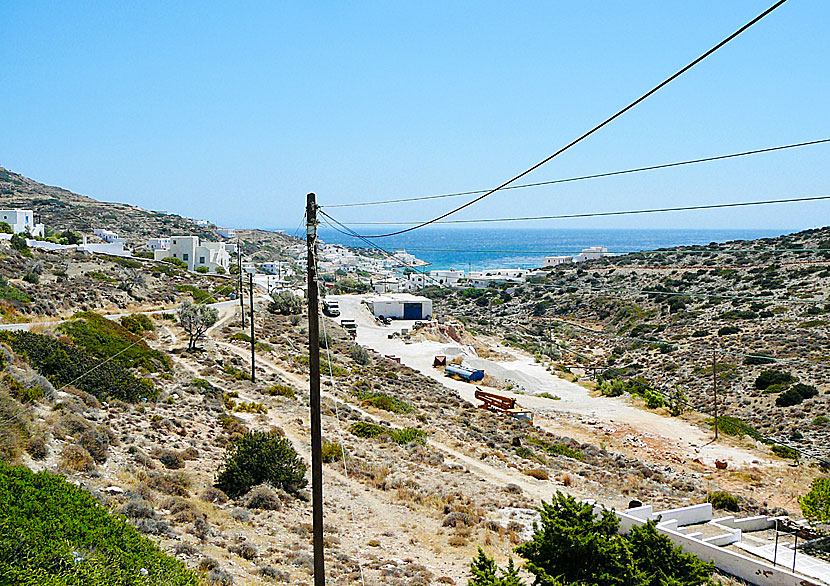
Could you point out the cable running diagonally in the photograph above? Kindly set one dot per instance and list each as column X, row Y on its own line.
column 605, row 122
column 583, row 177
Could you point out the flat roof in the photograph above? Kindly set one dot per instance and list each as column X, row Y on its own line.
column 407, row 297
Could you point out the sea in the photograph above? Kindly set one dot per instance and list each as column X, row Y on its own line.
column 489, row 248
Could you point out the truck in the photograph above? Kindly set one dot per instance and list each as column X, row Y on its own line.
column 331, row 308
column 501, row 404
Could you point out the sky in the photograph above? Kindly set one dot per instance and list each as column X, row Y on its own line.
column 234, row 111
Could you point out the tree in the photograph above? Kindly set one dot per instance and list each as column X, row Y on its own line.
column 485, row 572
column 261, row 458
column 71, row 237
column 575, row 546
column 195, row 320
column 285, row 303
column 18, row 242
column 816, row 503
column 5, row 228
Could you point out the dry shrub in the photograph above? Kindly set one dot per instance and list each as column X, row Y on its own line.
column 173, row 483
column 96, row 443
column 213, row 495
column 537, row 473
column 75, row 458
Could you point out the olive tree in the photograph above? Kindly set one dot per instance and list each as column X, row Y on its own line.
column 285, row 303
column 195, row 319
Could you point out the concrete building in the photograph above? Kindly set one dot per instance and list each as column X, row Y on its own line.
column 158, row 244
column 196, row 253
column 107, row 235
column 400, row 306
column 554, row 261
column 592, row 253
column 276, row 268
column 22, row 222
column 226, row 232
column 388, row 285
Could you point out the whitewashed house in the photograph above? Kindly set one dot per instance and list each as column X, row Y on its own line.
column 555, row 261
column 592, row 253
column 22, row 222
column 158, row 244
column 226, row 232
column 195, row 253
column 107, row 235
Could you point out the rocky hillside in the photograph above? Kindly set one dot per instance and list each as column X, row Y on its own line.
column 760, row 306
column 60, row 210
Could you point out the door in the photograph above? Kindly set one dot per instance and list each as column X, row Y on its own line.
column 412, row 311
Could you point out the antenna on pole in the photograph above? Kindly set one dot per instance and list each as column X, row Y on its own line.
column 314, row 392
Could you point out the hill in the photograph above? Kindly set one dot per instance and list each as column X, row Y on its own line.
column 760, row 306
column 60, row 209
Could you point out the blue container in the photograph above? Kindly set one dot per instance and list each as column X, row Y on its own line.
column 465, row 373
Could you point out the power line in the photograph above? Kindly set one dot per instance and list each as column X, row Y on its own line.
column 583, row 177
column 607, row 121
column 615, row 252
column 591, row 214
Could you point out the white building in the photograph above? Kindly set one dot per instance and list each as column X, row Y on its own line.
column 230, row 247
column 22, row 222
column 553, row 261
column 388, row 285
column 158, row 244
column 226, row 232
column 196, row 253
column 107, row 235
column 592, row 253
column 275, row 268
column 400, row 306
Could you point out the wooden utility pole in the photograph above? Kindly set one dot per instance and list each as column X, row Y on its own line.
column 239, row 280
column 314, row 392
column 253, row 339
column 715, row 388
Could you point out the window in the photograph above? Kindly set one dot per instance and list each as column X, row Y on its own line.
column 184, row 256
column 201, row 260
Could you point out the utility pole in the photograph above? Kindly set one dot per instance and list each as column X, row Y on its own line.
column 715, row 388
column 253, row 340
column 314, row 393
column 239, row 280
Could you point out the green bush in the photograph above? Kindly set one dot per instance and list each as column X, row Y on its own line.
column 556, row 449
column 332, row 452
column 203, row 270
column 281, row 391
column 383, row 401
column 64, row 364
column 723, row 501
column 10, row 293
column 785, row 452
column 57, row 534
column 106, row 339
column 177, row 262
column 137, row 323
column 726, row 330
column 260, row 458
column 736, row 427
column 772, row 377
column 5, row 228
column 399, row 436
column 821, row 420
column 815, row 505
column 285, row 303
column 200, row 296
column 789, row 398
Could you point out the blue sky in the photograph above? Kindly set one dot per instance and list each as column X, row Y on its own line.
column 233, row 111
